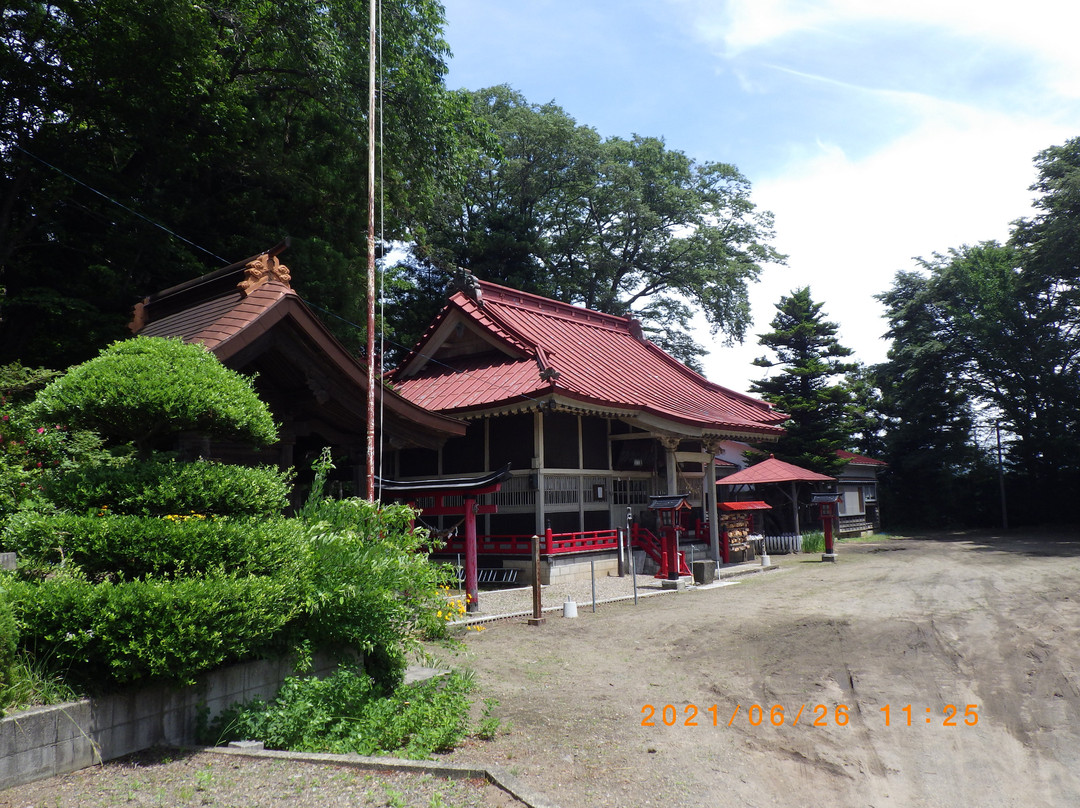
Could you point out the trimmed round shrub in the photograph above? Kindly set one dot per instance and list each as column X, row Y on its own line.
column 141, row 546
column 101, row 635
column 148, row 389
column 160, row 489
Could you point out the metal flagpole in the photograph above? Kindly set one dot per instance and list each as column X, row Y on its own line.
column 371, row 258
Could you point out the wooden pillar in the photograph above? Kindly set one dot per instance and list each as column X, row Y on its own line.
column 670, row 445
column 710, row 448
column 538, row 469
column 672, row 542
column 795, row 506
column 472, row 591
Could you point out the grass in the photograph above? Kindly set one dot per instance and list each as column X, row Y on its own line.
column 32, row 685
column 813, row 541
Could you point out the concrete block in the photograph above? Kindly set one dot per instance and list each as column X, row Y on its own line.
column 74, row 754
column 147, row 702
column 9, row 561
column 704, row 571
column 34, row 728
column 148, row 732
column 250, row 746
column 7, row 737
column 73, row 720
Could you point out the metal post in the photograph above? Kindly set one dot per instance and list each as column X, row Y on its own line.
column 622, row 551
column 1001, row 480
column 592, row 570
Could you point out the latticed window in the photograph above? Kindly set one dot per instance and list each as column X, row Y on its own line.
column 631, row 492
column 561, row 490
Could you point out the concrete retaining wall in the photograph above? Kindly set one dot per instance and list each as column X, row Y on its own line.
column 47, row 741
column 566, row 569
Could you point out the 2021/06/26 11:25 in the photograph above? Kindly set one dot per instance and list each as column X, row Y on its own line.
column 820, row 715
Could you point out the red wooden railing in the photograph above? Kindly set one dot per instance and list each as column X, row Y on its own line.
column 492, row 545
column 553, row 543
column 644, row 538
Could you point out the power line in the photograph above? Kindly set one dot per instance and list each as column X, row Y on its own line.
column 108, row 198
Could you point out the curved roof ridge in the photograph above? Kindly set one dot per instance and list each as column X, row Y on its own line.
column 504, row 295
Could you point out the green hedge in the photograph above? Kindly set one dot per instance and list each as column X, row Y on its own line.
column 140, row 546
column 148, row 389
column 104, row 634
column 9, row 638
column 160, row 489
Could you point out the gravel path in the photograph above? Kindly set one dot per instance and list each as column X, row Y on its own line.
column 496, row 604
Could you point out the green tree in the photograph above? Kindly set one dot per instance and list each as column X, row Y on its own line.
column 807, row 387
column 148, row 389
column 1012, row 336
column 929, row 442
column 867, row 423
column 231, row 123
column 624, row 226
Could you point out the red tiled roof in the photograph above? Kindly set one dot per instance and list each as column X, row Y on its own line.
column 859, row 460
column 215, row 311
column 744, row 506
column 773, row 471
column 215, row 321
column 580, row 357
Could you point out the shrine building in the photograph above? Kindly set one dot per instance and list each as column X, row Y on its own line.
column 592, row 418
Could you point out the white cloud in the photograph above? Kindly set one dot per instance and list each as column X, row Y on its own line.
column 1046, row 29
column 849, row 225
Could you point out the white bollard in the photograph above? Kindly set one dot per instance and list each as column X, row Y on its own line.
column 569, row 609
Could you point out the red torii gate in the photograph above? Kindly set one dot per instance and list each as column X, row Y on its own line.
column 468, row 488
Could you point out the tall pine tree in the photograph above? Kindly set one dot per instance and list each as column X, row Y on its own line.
column 807, row 387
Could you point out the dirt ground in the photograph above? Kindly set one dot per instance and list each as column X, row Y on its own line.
column 884, row 641
column 863, row 659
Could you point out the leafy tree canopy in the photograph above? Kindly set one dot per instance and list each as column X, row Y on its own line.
column 809, row 359
column 623, row 226
column 232, row 123
column 990, row 333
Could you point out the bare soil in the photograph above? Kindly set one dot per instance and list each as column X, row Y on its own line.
column 986, row 622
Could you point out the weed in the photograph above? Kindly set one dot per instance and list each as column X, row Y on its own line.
column 33, row 684
column 394, row 799
column 203, row 778
column 489, row 724
column 813, row 542
column 348, row 712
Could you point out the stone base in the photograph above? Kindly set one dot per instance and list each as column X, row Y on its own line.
column 828, row 557
column 704, row 572
column 667, row 583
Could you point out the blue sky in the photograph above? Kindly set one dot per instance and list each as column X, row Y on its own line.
column 876, row 132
